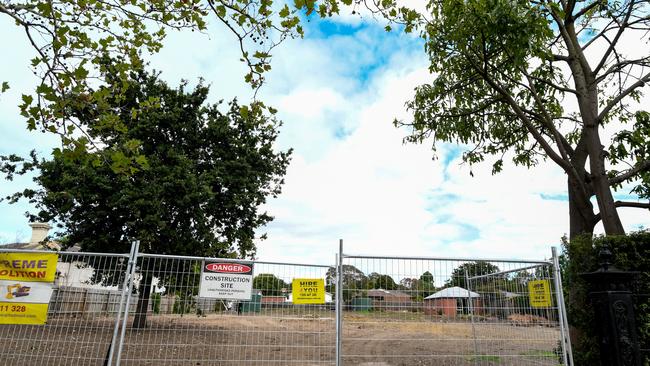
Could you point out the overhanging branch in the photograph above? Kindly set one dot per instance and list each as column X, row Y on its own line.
column 612, row 103
column 645, row 205
column 630, row 173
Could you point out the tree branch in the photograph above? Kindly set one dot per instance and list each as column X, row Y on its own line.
column 641, row 82
column 522, row 116
column 630, row 173
column 632, row 204
column 585, row 9
column 612, row 44
column 597, row 217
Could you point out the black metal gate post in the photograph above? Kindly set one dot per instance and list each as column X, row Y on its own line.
column 611, row 296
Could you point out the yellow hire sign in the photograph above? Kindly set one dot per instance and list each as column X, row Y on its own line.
column 540, row 293
column 26, row 281
column 308, row 291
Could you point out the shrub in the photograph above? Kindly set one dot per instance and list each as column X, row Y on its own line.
column 155, row 303
column 629, row 252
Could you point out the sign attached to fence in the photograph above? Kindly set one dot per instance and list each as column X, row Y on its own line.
column 540, row 293
column 26, row 281
column 226, row 280
column 308, row 291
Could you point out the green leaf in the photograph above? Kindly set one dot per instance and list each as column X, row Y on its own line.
column 284, row 12
column 243, row 111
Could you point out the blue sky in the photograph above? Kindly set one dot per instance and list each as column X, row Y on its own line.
column 351, row 177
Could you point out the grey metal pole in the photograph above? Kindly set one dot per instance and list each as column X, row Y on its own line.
column 109, row 362
column 470, row 307
column 134, row 260
column 560, row 304
column 339, row 301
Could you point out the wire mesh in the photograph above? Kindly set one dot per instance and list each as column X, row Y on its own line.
column 413, row 311
column 81, row 315
column 396, row 311
column 169, row 324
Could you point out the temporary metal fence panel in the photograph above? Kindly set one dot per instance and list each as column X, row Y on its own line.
column 144, row 309
column 438, row 311
column 173, row 326
column 81, row 317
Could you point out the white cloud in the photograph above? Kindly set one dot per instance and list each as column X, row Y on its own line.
column 351, row 176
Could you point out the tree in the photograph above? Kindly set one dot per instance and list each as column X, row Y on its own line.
column 198, row 193
column 376, row 280
column 459, row 274
column 426, row 277
column 269, row 284
column 418, row 288
column 503, row 74
column 354, row 281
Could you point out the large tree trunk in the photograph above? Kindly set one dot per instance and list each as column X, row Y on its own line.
column 608, row 213
column 599, row 179
column 581, row 212
column 587, row 95
column 582, row 219
column 140, row 320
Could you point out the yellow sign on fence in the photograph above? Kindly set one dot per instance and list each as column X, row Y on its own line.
column 540, row 293
column 26, row 286
column 308, row 291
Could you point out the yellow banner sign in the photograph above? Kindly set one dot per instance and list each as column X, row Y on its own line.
column 26, row 281
column 32, row 267
column 22, row 313
column 540, row 293
column 308, row 291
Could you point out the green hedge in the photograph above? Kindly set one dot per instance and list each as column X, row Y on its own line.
column 630, row 252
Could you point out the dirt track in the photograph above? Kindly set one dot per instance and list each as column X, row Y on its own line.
column 279, row 339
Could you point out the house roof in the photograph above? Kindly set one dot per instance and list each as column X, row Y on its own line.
column 510, row 295
column 387, row 293
column 452, row 292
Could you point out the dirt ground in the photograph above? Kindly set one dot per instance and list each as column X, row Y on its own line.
column 280, row 339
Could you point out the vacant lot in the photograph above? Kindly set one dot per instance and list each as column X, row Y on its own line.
column 280, row 338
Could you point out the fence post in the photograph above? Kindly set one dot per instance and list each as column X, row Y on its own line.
column 567, row 352
column 610, row 293
column 111, row 349
column 134, row 262
column 470, row 308
column 339, row 301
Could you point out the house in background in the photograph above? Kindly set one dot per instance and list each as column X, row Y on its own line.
column 69, row 274
column 452, row 301
column 39, row 234
column 390, row 300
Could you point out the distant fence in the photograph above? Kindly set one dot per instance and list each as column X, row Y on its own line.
column 143, row 309
column 451, row 311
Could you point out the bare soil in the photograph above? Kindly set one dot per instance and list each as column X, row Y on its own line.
column 281, row 338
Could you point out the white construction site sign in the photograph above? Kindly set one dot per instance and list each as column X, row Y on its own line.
column 226, row 280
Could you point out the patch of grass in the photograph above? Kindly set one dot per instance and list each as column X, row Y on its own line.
column 485, row 358
column 536, row 353
column 539, row 353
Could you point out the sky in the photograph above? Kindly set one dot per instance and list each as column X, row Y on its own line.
column 351, row 177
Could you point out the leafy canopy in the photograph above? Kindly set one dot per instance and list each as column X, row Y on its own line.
column 206, row 174
column 71, row 38
column 504, row 74
column 270, row 285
